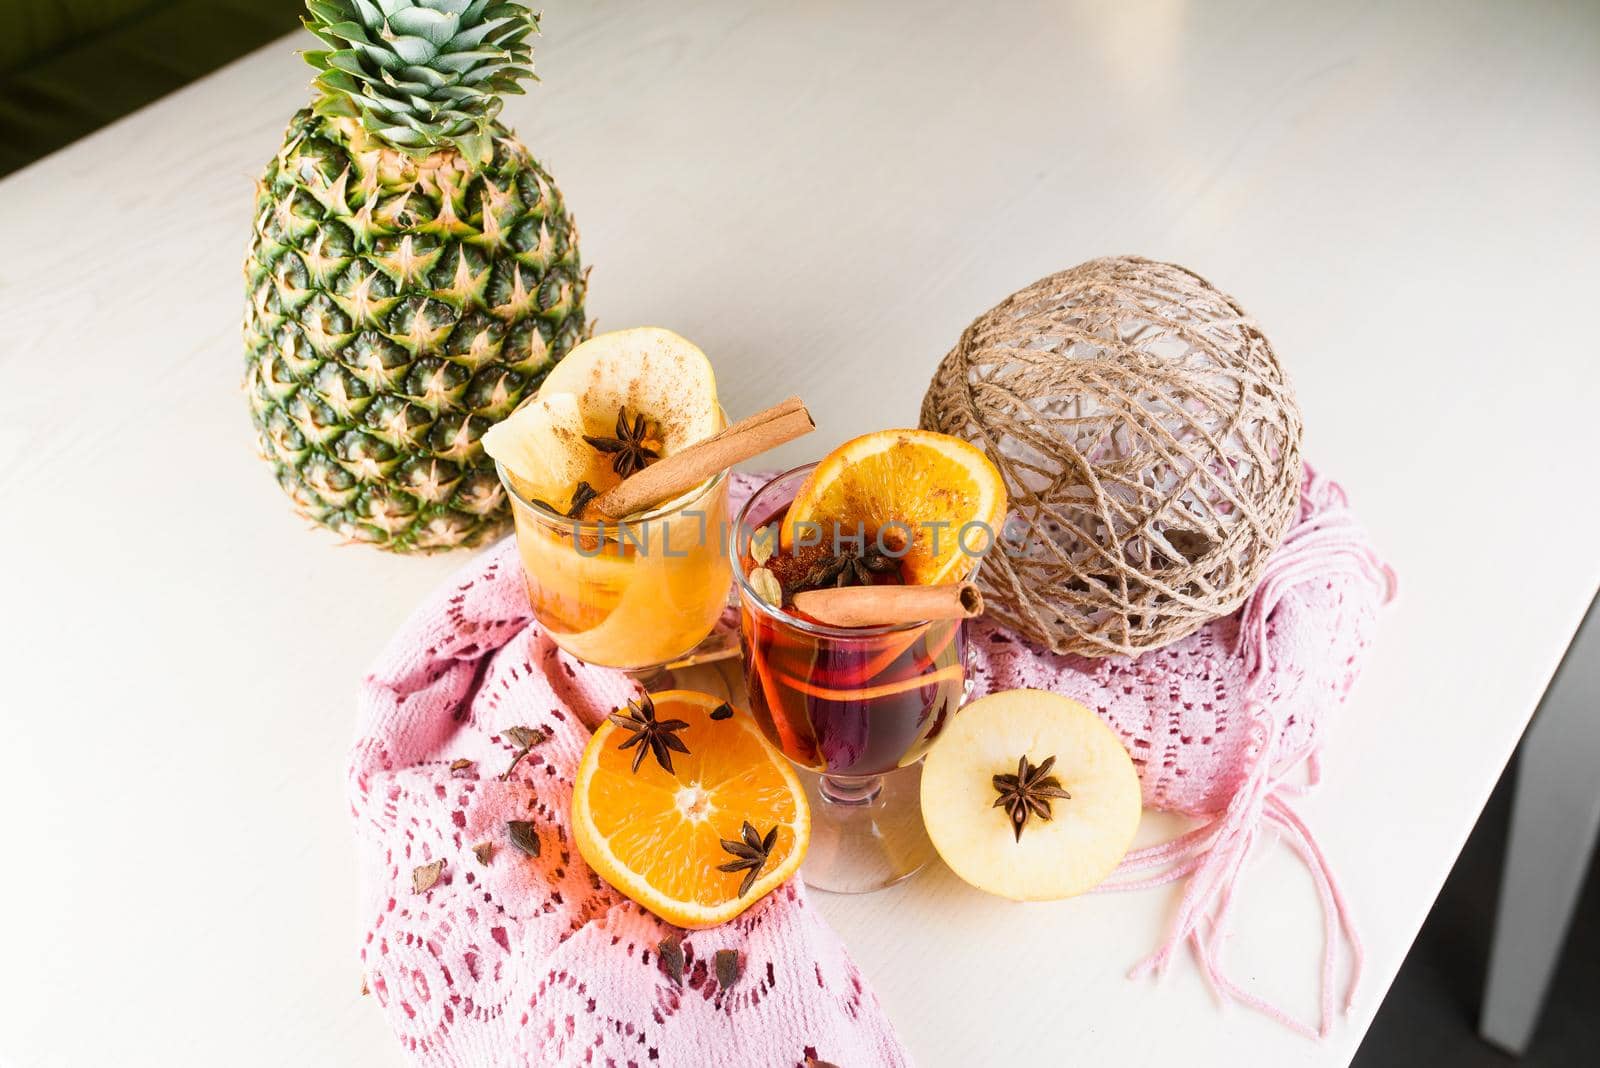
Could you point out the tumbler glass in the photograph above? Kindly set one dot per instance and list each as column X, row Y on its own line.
column 640, row 594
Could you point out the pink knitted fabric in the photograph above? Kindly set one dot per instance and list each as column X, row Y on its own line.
column 536, row 961
column 1226, row 723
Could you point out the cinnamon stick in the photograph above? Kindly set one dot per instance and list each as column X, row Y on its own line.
column 681, row 472
column 877, row 606
column 765, row 415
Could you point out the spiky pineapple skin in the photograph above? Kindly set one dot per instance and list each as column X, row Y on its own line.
column 397, row 307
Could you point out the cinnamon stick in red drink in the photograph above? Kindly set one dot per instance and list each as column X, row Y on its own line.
column 877, row 606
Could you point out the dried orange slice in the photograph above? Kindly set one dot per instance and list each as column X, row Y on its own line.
column 676, row 841
column 939, row 491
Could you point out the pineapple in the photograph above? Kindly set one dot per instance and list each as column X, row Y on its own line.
column 412, row 276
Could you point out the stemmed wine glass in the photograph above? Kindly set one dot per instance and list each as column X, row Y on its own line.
column 856, row 707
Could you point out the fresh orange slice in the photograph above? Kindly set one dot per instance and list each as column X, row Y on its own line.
column 661, row 836
column 937, row 490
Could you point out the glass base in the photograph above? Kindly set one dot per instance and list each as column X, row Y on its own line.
column 866, row 833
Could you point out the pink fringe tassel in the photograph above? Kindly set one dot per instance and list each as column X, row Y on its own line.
column 1212, row 855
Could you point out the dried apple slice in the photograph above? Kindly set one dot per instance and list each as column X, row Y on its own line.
column 1029, row 795
column 541, row 445
column 644, row 371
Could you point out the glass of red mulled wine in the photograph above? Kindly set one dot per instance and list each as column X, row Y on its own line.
column 856, row 707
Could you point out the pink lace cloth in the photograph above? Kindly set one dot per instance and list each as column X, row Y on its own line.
column 1225, row 725
column 535, row 961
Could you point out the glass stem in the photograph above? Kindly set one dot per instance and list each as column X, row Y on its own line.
column 850, row 789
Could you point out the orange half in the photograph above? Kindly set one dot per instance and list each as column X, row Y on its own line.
column 938, row 490
column 657, row 835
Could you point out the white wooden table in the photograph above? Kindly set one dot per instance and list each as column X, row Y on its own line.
column 822, row 195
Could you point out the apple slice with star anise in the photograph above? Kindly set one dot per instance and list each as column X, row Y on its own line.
column 1029, row 795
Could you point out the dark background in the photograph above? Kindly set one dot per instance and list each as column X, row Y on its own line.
column 68, row 67
column 1430, row 1015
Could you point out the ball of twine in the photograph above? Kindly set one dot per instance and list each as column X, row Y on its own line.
column 1150, row 443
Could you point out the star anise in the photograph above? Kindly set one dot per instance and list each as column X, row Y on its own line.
column 849, row 568
column 1028, row 792
column 632, row 448
column 580, row 500
column 649, row 733
column 752, row 853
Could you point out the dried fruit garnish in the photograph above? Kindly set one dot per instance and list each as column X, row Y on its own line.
column 649, row 733
column 424, row 876
column 670, row 952
column 728, row 969
column 752, row 853
column 524, row 836
column 1028, row 792
column 524, row 738
column 632, row 448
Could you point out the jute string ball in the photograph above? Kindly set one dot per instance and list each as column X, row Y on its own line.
column 1150, row 444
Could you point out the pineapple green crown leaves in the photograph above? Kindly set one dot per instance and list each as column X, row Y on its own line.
column 421, row 75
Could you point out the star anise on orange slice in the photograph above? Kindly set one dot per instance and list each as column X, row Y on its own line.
column 647, row 733
column 751, row 854
column 654, row 834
